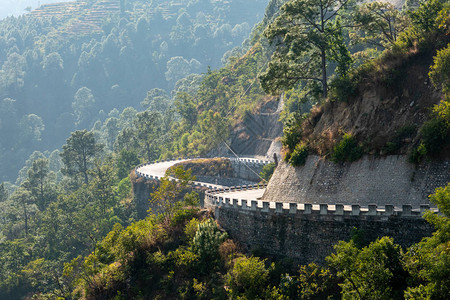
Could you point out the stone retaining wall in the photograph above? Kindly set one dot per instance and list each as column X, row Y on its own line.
column 248, row 169
column 306, row 232
column 380, row 180
column 310, row 237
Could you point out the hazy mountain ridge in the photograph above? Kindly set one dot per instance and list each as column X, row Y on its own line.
column 112, row 54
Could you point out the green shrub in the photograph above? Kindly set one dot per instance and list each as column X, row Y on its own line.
column 206, row 244
column 347, row 149
column 292, row 132
column 192, row 199
column 391, row 147
column 373, row 272
column 287, row 156
column 180, row 217
column 191, row 229
column 434, row 135
column 440, row 70
column 442, row 110
column 267, row 171
column 249, row 276
column 124, row 188
column 298, row 157
column 342, row 88
column 416, row 155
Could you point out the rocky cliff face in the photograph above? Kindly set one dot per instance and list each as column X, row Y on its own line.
column 371, row 180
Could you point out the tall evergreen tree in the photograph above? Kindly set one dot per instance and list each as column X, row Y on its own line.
column 79, row 153
column 303, row 33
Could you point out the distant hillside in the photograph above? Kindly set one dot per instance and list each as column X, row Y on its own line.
column 79, row 64
column 82, row 18
column 18, row 7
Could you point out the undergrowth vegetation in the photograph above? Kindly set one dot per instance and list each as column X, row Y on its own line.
column 187, row 256
column 347, row 149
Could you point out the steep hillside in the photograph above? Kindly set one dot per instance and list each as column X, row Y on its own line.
column 394, row 100
column 382, row 135
column 386, row 114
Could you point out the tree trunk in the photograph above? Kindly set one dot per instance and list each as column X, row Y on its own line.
column 324, row 74
column 86, row 179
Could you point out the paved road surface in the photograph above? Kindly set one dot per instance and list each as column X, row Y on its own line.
column 159, row 170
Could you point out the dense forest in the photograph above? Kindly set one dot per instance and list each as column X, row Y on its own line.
column 68, row 224
column 79, row 65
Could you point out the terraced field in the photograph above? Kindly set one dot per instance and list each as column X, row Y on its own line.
column 78, row 18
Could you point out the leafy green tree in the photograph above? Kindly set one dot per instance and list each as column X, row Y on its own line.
column 440, row 70
column 125, row 162
column 127, row 117
column 79, row 153
column 213, row 127
column 31, row 127
column 83, row 104
column 13, row 71
column 38, row 182
column 315, row 282
column 24, row 201
column 379, row 24
column 167, row 199
column 156, row 100
column 429, row 261
column 303, row 35
column 53, row 64
column 102, row 186
column 23, row 173
column 177, row 67
column 148, row 126
column 111, row 129
column 126, row 140
column 373, row 272
column 425, row 15
column 206, row 244
column 189, row 84
column 187, row 108
column 249, row 277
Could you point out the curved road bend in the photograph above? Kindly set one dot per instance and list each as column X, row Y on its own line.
column 159, row 170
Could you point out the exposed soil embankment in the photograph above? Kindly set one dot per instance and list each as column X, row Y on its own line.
column 219, row 167
column 387, row 101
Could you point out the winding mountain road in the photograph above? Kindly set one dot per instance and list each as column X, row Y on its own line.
column 157, row 170
column 218, row 194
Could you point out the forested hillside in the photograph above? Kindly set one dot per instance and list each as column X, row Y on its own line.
column 113, row 84
column 67, row 66
column 75, row 93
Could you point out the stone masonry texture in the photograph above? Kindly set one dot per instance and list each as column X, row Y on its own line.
column 383, row 180
column 310, row 238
